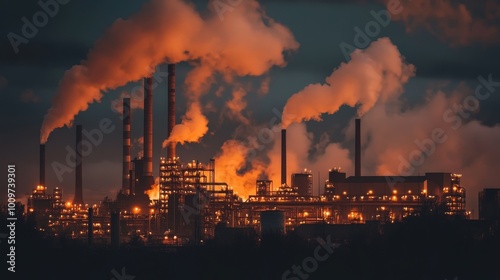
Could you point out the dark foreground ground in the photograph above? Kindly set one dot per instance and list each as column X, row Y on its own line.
column 424, row 248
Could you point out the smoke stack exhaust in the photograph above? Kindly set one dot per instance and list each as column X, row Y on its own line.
column 148, row 134
column 42, row 165
column 78, row 172
column 126, row 145
column 171, row 153
column 283, row 157
column 357, row 149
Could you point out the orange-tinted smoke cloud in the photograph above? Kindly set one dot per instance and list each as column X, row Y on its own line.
column 374, row 74
column 396, row 138
column 237, row 104
column 154, row 192
column 457, row 22
column 246, row 42
column 241, row 163
column 233, row 168
column 194, row 125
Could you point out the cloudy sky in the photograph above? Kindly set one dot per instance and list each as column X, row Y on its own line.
column 242, row 63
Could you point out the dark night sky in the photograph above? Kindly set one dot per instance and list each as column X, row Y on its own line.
column 29, row 79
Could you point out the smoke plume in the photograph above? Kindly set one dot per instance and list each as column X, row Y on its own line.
column 237, row 104
column 172, row 31
column 194, row 125
column 154, row 192
column 401, row 141
column 232, row 167
column 374, row 74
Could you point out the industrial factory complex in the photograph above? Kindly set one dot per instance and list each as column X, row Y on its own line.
column 193, row 207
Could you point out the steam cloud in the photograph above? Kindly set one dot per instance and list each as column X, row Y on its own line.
column 234, row 168
column 374, row 74
column 470, row 147
column 231, row 166
column 246, row 42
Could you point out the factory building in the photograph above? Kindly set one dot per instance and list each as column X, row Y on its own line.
column 302, row 183
column 489, row 204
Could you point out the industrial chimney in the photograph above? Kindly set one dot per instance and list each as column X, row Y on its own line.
column 171, row 153
column 283, row 157
column 148, row 179
column 78, row 172
column 126, row 145
column 42, row 165
column 357, row 149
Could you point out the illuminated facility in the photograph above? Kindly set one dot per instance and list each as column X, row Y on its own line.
column 191, row 205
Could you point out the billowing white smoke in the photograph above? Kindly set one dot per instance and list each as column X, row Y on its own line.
column 373, row 75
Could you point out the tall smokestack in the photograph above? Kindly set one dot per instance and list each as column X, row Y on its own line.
column 42, row 165
column 126, row 145
column 78, row 172
column 148, row 133
column 283, row 157
column 171, row 153
column 357, row 149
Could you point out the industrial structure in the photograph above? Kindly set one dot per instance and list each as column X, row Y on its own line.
column 489, row 204
column 192, row 206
